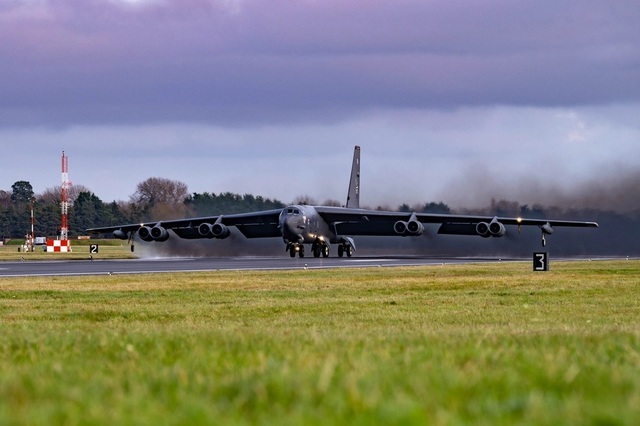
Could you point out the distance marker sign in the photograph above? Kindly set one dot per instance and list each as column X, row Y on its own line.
column 541, row 261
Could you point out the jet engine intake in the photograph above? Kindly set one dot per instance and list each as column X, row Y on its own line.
column 400, row 227
column 158, row 233
column 482, row 228
column 497, row 229
column 414, row 227
column 220, row 231
column 144, row 232
column 205, row 230
column 546, row 228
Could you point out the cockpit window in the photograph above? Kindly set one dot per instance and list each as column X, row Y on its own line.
column 293, row 211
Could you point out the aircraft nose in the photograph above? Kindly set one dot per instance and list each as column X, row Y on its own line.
column 292, row 224
column 291, row 227
column 285, row 224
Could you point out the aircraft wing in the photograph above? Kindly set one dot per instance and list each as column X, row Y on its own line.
column 381, row 223
column 251, row 225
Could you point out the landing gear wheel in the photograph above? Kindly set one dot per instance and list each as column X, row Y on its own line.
column 349, row 251
column 292, row 251
column 301, row 251
column 325, row 251
column 340, row 250
column 316, row 251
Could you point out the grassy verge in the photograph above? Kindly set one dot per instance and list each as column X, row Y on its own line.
column 107, row 249
column 481, row 344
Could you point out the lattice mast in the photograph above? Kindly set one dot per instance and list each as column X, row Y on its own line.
column 64, row 197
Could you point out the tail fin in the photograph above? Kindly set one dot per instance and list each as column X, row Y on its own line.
column 353, row 197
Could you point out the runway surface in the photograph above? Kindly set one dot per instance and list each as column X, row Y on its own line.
column 141, row 266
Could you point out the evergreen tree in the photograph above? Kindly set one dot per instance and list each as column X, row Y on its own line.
column 228, row 203
column 21, row 192
column 436, row 208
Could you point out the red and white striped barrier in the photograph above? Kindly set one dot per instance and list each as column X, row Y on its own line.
column 58, row 246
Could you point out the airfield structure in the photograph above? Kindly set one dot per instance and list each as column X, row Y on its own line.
column 63, row 244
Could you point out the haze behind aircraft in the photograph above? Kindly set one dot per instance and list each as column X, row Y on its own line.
column 321, row 226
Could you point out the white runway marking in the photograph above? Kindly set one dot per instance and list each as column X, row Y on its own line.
column 368, row 260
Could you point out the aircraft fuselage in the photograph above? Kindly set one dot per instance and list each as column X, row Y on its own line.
column 300, row 224
column 303, row 225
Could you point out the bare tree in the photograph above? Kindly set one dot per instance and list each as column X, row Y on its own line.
column 162, row 198
column 53, row 194
column 156, row 190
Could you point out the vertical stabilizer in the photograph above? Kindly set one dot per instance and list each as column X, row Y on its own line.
column 353, row 197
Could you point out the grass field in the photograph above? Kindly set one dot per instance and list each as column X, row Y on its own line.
column 455, row 344
column 108, row 249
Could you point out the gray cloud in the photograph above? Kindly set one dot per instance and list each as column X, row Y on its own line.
column 251, row 62
column 451, row 100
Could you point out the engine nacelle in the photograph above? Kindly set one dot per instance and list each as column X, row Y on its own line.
column 400, row 227
column 158, row 233
column 217, row 230
column 414, row 227
column 220, row 231
column 497, row 229
column 120, row 234
column 144, row 232
column 205, row 230
column 482, row 228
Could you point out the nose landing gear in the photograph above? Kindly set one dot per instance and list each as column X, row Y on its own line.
column 295, row 248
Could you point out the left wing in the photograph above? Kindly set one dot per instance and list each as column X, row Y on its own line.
column 381, row 223
column 251, row 225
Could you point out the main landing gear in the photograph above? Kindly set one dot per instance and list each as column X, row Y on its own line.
column 320, row 249
column 345, row 249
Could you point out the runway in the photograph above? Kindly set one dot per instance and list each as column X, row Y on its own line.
column 143, row 266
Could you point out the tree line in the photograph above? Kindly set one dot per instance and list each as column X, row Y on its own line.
column 154, row 199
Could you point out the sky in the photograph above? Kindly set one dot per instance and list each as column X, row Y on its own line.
column 451, row 100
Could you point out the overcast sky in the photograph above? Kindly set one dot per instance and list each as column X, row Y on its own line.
column 450, row 100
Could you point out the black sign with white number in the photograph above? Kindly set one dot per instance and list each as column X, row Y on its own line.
column 93, row 249
column 541, row 261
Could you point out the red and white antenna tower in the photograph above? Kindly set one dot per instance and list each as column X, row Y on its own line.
column 64, row 196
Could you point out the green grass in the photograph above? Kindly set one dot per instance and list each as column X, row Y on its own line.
column 480, row 344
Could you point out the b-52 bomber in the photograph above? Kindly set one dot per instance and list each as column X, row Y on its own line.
column 322, row 226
